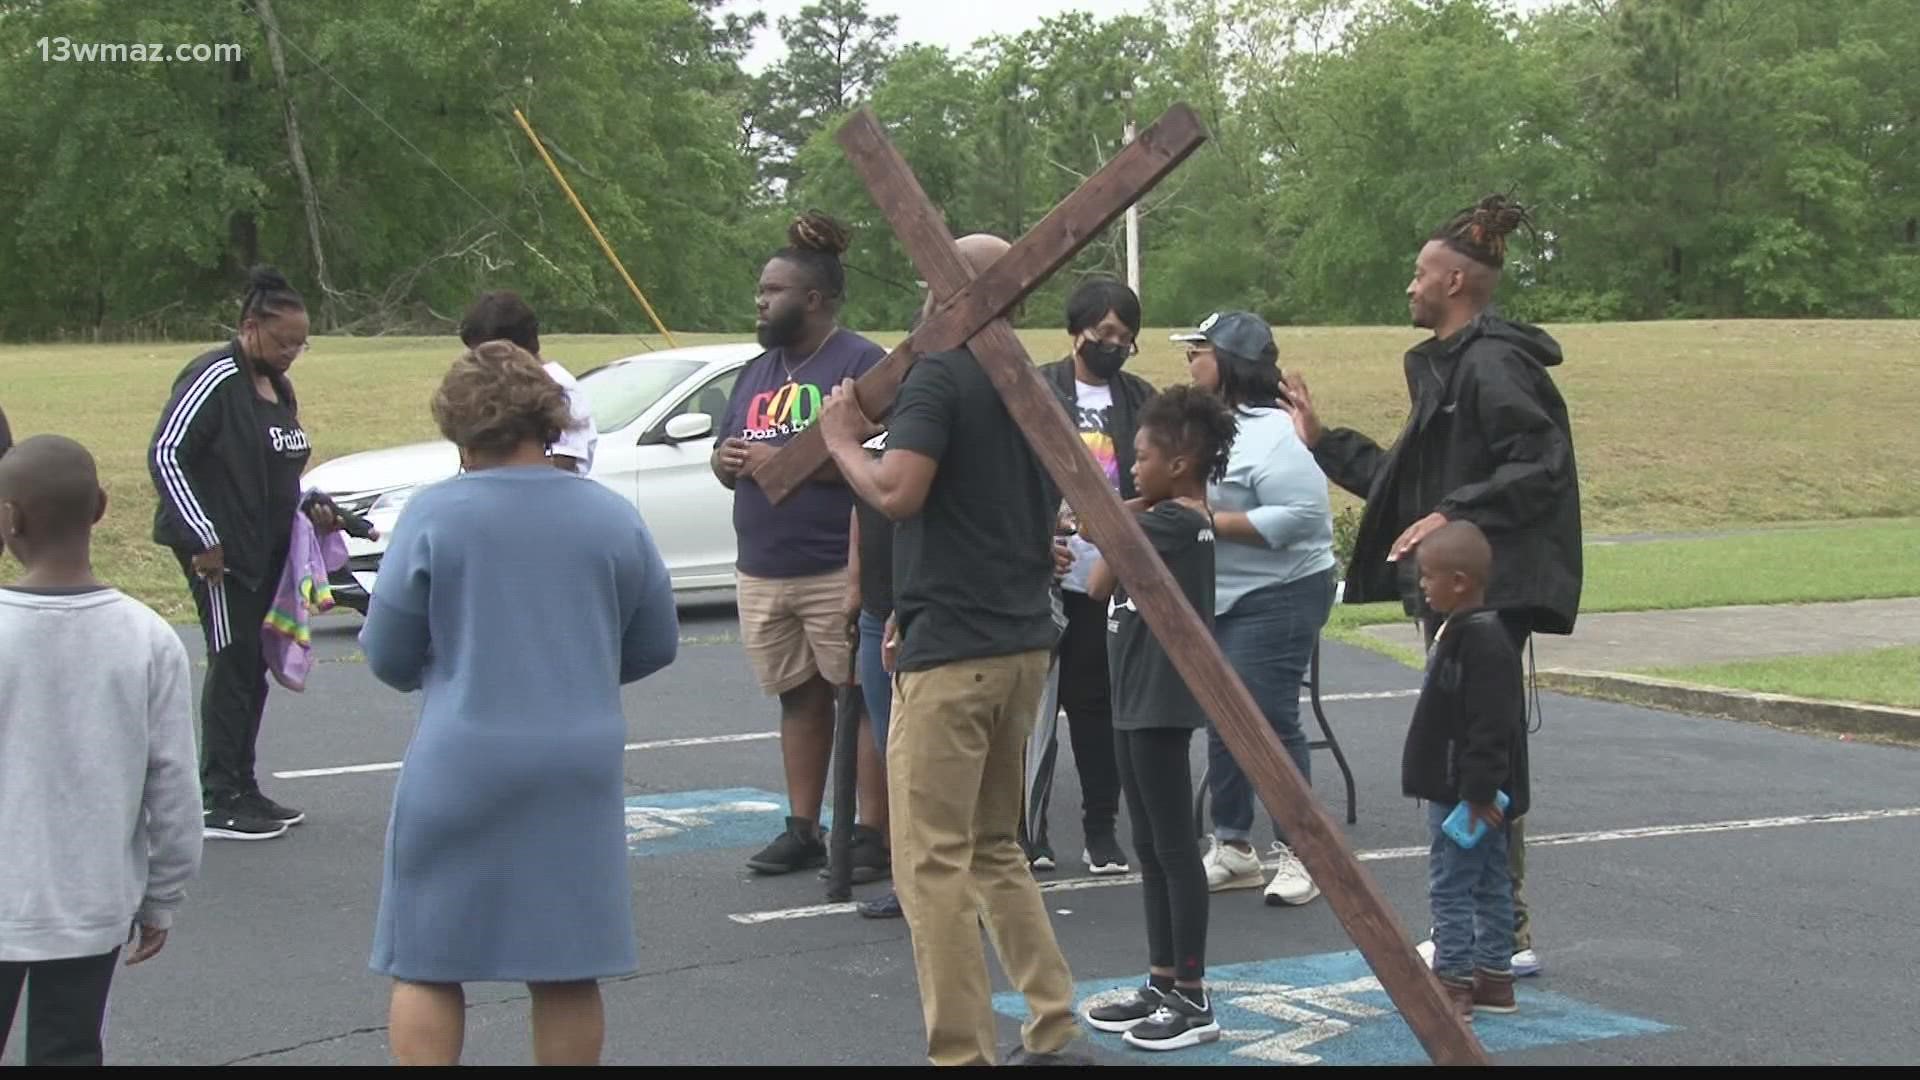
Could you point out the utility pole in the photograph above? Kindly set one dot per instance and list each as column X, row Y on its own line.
column 1133, row 209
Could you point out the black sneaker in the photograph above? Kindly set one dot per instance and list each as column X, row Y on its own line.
column 1103, row 855
column 1180, row 1022
column 885, row 907
column 1122, row 1016
column 257, row 804
column 799, row 848
column 231, row 821
column 869, row 855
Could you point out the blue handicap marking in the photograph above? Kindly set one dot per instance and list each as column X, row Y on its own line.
column 1329, row 1009
column 677, row 822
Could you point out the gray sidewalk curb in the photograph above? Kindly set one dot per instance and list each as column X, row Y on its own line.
column 1779, row 710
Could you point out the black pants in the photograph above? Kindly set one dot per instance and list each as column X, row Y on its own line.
column 235, row 694
column 66, row 1007
column 1156, row 776
column 1084, row 696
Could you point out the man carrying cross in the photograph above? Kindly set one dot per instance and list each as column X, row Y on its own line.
column 972, row 304
column 971, row 636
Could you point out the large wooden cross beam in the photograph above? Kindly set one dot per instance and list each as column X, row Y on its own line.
column 1362, row 910
column 1047, row 247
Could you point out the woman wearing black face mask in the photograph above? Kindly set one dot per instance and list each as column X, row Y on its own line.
column 1103, row 318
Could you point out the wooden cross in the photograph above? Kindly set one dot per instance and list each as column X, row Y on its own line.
column 973, row 312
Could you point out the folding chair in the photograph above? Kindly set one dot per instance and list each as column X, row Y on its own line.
column 1327, row 741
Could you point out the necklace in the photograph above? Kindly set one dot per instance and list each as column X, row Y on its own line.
column 790, row 369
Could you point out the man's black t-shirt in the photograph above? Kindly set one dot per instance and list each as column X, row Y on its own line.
column 1148, row 691
column 972, row 569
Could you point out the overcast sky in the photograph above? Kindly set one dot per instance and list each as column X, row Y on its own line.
column 956, row 24
column 953, row 23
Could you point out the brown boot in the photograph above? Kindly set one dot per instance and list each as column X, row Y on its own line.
column 1459, row 996
column 1493, row 992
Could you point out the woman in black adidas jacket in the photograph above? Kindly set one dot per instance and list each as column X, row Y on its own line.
column 226, row 461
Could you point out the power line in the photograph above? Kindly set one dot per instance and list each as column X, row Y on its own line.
column 428, row 158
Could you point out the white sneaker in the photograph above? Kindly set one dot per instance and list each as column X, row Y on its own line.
column 1291, row 884
column 1230, row 868
column 1526, row 962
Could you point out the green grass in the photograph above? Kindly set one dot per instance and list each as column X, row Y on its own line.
column 1786, row 565
column 1880, row 677
column 1692, row 425
column 1859, row 561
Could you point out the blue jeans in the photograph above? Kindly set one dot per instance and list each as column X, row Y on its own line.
column 875, row 684
column 1268, row 637
column 1471, row 894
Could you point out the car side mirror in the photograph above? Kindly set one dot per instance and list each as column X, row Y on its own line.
column 686, row 428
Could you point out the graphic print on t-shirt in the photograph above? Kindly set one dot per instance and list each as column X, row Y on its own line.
column 287, row 440
column 784, row 411
column 1092, row 415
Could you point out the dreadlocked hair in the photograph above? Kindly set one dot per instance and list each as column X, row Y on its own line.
column 815, row 243
column 1189, row 420
column 1480, row 231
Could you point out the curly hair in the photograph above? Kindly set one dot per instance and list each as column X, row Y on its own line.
column 1189, row 420
column 815, row 243
column 1480, row 231
column 495, row 397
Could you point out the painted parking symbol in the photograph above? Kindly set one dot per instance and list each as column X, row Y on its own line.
column 1330, row 1010
column 678, row 822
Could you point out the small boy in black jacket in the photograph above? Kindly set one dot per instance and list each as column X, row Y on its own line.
column 1468, row 742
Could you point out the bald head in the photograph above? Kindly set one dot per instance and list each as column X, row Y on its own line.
column 979, row 251
column 49, row 493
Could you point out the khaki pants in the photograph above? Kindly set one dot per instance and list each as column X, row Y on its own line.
column 955, row 779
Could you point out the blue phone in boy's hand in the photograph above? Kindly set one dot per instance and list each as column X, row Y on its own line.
column 1458, row 822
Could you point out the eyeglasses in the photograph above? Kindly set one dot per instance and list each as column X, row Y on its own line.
column 1133, row 347
column 281, row 347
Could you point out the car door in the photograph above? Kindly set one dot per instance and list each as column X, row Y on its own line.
column 688, row 511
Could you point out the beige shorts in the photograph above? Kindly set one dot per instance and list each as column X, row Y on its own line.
column 795, row 628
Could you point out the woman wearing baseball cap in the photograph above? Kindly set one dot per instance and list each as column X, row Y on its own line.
column 1274, row 582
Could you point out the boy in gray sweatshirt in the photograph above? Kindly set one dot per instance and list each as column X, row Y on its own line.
column 100, row 818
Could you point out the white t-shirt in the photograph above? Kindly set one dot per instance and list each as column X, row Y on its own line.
column 1093, row 417
column 580, row 438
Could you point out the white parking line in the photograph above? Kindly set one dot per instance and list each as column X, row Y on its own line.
column 719, row 740
column 814, row 911
column 656, row 744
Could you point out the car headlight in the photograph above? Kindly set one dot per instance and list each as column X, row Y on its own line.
column 392, row 501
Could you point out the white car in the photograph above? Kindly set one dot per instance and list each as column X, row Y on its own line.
column 655, row 412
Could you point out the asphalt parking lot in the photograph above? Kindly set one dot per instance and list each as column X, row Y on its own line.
column 1705, row 893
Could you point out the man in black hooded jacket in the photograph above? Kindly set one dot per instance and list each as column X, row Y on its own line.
column 1487, row 441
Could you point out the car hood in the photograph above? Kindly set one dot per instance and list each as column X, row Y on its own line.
column 387, row 468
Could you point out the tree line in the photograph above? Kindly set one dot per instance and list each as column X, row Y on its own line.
column 1682, row 158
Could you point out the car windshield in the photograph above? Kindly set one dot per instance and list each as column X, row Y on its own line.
column 618, row 393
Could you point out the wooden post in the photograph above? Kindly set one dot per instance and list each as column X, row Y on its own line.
column 1047, row 247
column 1355, row 900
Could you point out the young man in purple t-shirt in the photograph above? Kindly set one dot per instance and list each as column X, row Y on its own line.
column 792, row 564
